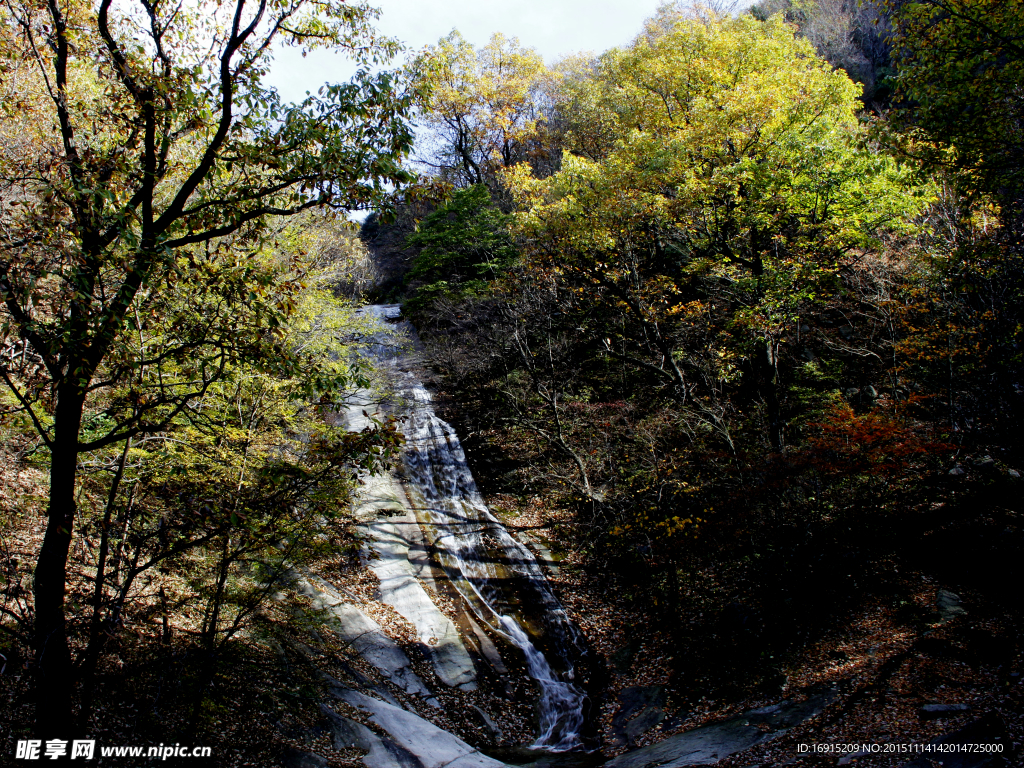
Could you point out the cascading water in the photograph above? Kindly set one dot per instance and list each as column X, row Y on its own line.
column 498, row 577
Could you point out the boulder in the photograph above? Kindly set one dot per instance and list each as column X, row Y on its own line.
column 711, row 743
column 947, row 604
column 642, row 723
column 431, row 746
column 937, row 711
column 294, row 758
column 985, row 463
column 640, row 710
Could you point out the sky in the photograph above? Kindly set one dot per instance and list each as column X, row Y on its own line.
column 555, row 28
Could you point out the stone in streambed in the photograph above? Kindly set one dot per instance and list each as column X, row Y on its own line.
column 364, row 634
column 431, row 746
column 380, row 753
column 712, row 743
column 936, row 711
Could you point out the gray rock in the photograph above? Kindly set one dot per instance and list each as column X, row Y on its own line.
column 712, row 743
column 294, row 758
column 637, row 697
column 401, row 590
column 489, row 724
column 870, row 392
column 1013, row 473
column 380, row 753
column 936, row 711
column 985, row 463
column 957, row 471
column 787, row 714
column 400, row 578
column 642, row 723
column 487, row 648
column 431, row 746
column 647, row 700
column 700, row 746
column 850, row 392
column 948, row 606
column 363, row 633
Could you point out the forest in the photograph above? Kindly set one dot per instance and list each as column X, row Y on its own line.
column 728, row 319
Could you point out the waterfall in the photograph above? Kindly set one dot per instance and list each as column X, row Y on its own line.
column 498, row 577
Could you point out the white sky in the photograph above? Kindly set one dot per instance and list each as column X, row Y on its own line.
column 554, row 27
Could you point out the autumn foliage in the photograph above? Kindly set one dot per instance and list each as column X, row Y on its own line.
column 874, row 443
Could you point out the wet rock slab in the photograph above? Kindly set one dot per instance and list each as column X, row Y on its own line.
column 412, row 741
column 363, row 633
column 641, row 708
column 402, row 590
column 711, row 743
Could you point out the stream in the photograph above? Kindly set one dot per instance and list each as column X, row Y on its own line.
column 499, row 579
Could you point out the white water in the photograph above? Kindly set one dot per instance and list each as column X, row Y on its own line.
column 499, row 578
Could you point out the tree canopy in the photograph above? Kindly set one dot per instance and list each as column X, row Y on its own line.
column 961, row 64
column 730, row 174
column 484, row 107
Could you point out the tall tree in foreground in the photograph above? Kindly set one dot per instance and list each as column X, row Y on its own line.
column 140, row 148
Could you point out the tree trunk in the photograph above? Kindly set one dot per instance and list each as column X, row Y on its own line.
column 768, row 383
column 53, row 656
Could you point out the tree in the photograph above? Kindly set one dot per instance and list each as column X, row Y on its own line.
column 143, row 156
column 960, row 66
column 850, row 35
column 484, row 107
column 462, row 244
column 724, row 181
